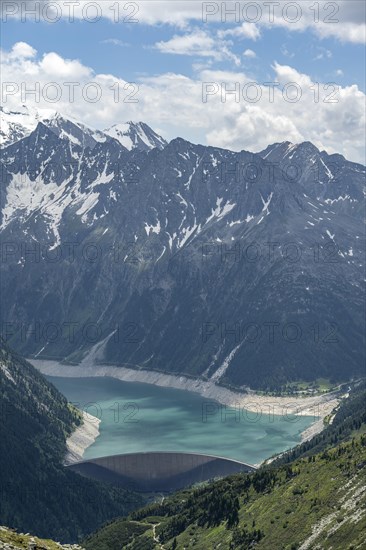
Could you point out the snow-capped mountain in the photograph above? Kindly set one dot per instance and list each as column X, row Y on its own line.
column 15, row 125
column 196, row 247
column 74, row 131
column 136, row 135
column 328, row 177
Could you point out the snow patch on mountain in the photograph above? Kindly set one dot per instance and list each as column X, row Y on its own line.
column 220, row 211
column 152, row 228
column 187, row 232
column 15, row 125
column 266, row 203
column 28, row 195
column 7, row 372
column 88, row 204
column 136, row 135
column 225, row 365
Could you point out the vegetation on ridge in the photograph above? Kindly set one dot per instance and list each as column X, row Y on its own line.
column 317, row 490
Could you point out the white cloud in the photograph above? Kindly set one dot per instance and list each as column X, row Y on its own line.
column 115, row 42
column 195, row 43
column 55, row 66
column 173, row 102
column 249, row 53
column 343, row 20
column 22, row 50
column 245, row 30
column 286, row 74
column 344, row 32
column 200, row 44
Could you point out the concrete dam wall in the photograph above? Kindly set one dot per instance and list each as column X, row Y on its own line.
column 158, row 471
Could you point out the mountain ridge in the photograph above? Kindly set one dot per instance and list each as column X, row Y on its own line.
column 186, row 229
column 17, row 125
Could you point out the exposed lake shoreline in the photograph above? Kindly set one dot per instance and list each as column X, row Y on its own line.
column 318, row 406
column 81, row 438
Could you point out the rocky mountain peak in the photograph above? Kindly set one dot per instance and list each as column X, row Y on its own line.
column 136, row 135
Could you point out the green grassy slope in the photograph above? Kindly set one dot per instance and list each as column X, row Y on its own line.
column 349, row 417
column 316, row 502
column 314, row 497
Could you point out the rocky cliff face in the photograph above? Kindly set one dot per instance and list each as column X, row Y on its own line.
column 244, row 268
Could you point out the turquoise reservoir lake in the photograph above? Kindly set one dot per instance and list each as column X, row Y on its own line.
column 140, row 417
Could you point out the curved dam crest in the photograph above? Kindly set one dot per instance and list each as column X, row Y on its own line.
column 160, row 470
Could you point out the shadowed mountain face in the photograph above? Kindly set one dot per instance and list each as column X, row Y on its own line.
column 37, row 492
column 246, row 268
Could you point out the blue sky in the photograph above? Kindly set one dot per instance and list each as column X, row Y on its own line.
column 136, row 53
column 170, row 51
